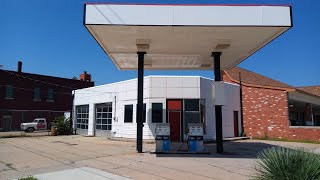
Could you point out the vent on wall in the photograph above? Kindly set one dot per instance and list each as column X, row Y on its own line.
column 223, row 46
column 205, row 65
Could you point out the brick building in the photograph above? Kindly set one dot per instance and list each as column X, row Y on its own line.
column 274, row 109
column 25, row 96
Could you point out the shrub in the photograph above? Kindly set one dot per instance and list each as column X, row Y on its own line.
column 63, row 125
column 287, row 164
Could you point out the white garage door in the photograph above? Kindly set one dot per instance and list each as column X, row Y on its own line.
column 82, row 119
column 103, row 119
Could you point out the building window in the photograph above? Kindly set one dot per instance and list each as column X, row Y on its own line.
column 9, row 92
column 82, row 116
column 50, row 94
column 104, row 116
column 157, row 113
column 191, row 112
column 128, row 112
column 36, row 95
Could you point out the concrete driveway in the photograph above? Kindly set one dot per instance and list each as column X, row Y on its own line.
column 77, row 157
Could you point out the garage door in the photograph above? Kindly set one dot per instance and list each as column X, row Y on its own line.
column 82, row 119
column 103, row 119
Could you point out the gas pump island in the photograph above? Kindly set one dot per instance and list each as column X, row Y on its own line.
column 194, row 139
column 165, row 37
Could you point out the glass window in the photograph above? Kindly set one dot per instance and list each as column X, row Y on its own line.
column 192, row 112
column 9, row 92
column 50, row 94
column 82, row 116
column 36, row 95
column 128, row 112
column 191, row 105
column 157, row 112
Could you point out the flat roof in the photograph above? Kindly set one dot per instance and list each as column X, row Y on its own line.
column 183, row 36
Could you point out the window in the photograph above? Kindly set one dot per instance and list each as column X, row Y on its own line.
column 50, row 94
column 191, row 112
column 191, row 105
column 36, row 96
column 157, row 113
column 41, row 121
column 9, row 92
column 104, row 116
column 82, row 116
column 128, row 112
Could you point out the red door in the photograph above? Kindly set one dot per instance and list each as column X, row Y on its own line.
column 235, row 122
column 174, row 120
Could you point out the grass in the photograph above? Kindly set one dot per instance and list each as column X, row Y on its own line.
column 278, row 163
column 28, row 178
column 288, row 140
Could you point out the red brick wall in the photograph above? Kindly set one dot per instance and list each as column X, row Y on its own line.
column 265, row 114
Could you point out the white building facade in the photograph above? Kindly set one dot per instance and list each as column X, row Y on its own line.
column 110, row 110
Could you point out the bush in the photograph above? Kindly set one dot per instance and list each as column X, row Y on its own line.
column 63, row 125
column 287, row 164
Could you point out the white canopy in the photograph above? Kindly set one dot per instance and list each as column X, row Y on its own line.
column 183, row 36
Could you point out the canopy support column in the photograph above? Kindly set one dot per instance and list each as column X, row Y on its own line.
column 139, row 115
column 218, row 108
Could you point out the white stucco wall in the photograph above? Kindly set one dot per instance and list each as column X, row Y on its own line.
column 156, row 90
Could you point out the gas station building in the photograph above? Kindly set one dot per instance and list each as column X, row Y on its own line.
column 183, row 37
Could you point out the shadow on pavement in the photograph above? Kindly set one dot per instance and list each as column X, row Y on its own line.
column 235, row 149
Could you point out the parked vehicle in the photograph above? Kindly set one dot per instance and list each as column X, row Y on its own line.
column 36, row 124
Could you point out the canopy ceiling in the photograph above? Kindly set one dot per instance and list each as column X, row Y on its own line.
column 183, row 36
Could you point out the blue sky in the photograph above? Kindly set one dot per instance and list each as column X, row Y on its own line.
column 48, row 36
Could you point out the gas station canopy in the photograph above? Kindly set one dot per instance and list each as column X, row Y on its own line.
column 183, row 36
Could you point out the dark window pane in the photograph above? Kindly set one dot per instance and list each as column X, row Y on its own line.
column 191, row 105
column 9, row 91
column 109, row 115
column 50, row 94
column 104, row 115
column 104, row 127
column 98, row 126
column 105, row 109
column 110, row 109
column 78, row 125
column 36, row 95
column 98, row 121
column 99, row 109
column 109, row 121
column 99, row 115
column 109, row 127
column 128, row 112
column 104, row 121
column 191, row 117
column 156, row 112
column 83, row 126
column 86, row 126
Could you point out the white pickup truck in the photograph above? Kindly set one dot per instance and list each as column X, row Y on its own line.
column 36, row 124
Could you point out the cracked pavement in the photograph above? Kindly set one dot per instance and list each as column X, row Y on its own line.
column 26, row 156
